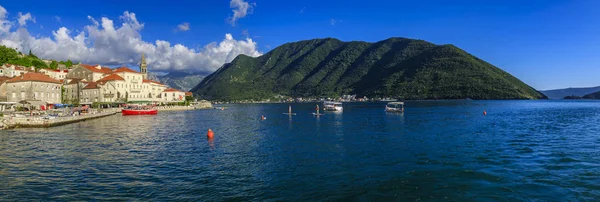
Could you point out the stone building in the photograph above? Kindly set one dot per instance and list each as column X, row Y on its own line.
column 3, row 80
column 86, row 84
column 88, row 72
column 34, row 86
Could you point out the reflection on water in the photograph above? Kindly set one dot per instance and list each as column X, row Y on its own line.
column 442, row 150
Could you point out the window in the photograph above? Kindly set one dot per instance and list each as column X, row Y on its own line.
column 14, row 95
column 22, row 94
column 35, row 95
column 48, row 95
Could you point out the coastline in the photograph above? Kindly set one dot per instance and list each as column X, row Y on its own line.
column 38, row 122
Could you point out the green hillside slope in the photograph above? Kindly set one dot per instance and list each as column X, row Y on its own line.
column 396, row 67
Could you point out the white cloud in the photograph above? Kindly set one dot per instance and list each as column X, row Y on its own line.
column 102, row 42
column 57, row 18
column 24, row 18
column 4, row 24
column 184, row 26
column 246, row 33
column 240, row 10
column 302, row 10
column 333, row 21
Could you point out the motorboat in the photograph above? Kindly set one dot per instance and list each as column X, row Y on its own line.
column 332, row 106
column 138, row 110
column 394, row 107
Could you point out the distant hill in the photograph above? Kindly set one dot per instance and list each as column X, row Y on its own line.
column 572, row 97
column 594, row 96
column 397, row 67
column 181, row 80
column 561, row 93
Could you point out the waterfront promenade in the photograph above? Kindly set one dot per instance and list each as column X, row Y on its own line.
column 9, row 122
column 44, row 122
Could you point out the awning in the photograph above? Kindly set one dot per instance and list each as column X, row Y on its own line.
column 140, row 101
column 32, row 102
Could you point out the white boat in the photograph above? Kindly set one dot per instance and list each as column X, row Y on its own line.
column 332, row 106
column 394, row 107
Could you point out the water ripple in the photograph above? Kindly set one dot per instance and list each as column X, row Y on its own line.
column 435, row 151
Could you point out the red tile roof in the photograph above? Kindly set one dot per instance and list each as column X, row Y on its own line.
column 125, row 69
column 112, row 77
column 189, row 94
column 30, row 76
column 92, row 85
column 104, row 70
column 4, row 79
column 171, row 90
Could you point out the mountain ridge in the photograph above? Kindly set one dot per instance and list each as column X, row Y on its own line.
column 183, row 81
column 561, row 93
column 397, row 67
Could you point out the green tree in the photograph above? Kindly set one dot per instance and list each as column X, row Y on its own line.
column 69, row 63
column 54, row 65
column 63, row 98
column 7, row 54
column 31, row 55
column 39, row 64
column 21, row 61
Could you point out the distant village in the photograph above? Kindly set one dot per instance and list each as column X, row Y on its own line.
column 82, row 84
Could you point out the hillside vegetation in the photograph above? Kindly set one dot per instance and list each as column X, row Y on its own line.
column 12, row 56
column 397, row 67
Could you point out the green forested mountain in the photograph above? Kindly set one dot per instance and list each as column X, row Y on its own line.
column 594, row 96
column 396, row 67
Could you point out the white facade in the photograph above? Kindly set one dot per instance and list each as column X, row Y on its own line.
column 13, row 70
column 55, row 74
column 173, row 95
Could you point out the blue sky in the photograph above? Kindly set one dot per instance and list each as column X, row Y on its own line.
column 547, row 44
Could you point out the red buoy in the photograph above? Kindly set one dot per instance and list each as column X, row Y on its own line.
column 484, row 113
column 210, row 134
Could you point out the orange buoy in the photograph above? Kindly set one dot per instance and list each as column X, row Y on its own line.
column 262, row 117
column 484, row 112
column 210, row 134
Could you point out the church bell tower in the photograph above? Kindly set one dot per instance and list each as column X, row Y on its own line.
column 144, row 67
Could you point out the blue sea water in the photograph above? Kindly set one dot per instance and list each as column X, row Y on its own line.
column 434, row 151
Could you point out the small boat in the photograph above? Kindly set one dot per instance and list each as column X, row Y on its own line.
column 138, row 110
column 332, row 106
column 394, row 107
